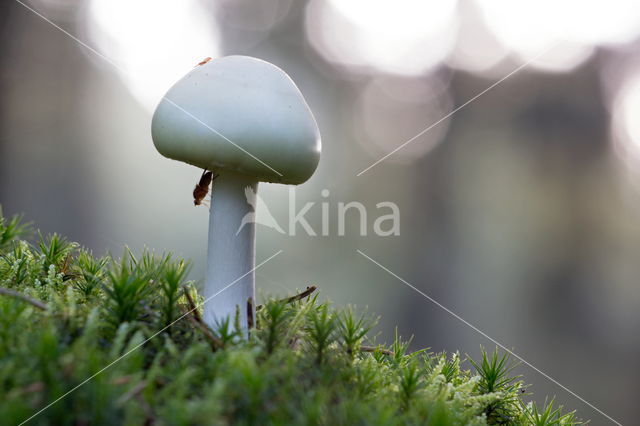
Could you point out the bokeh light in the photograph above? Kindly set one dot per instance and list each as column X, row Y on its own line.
column 625, row 122
column 392, row 110
column 477, row 49
column 155, row 42
column 571, row 27
column 402, row 37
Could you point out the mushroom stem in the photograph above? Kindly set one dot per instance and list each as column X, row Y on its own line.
column 231, row 252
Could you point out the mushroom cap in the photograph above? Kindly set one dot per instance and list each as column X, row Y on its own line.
column 240, row 114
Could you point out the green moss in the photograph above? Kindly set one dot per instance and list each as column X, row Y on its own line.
column 106, row 341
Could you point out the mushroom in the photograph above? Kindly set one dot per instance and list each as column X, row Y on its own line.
column 245, row 120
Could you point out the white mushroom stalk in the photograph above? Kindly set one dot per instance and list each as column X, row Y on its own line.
column 246, row 120
column 231, row 253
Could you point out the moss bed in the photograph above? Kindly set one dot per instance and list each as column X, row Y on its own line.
column 98, row 340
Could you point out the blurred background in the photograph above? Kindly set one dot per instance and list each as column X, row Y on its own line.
column 519, row 212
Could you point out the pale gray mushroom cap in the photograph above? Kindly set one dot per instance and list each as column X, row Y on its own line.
column 250, row 102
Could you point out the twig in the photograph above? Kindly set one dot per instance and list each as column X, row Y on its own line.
column 250, row 313
column 192, row 306
column 33, row 387
column 123, row 380
column 38, row 304
column 365, row 348
column 213, row 340
column 196, row 320
column 295, row 298
column 134, row 391
column 302, row 295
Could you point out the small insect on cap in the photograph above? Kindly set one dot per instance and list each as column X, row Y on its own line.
column 240, row 114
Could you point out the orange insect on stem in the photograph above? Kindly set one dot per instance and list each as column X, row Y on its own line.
column 202, row 187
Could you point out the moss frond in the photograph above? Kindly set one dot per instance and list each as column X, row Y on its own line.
column 66, row 314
